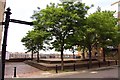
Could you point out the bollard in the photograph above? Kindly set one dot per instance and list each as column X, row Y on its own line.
column 108, row 63
column 116, row 62
column 56, row 69
column 88, row 65
column 99, row 64
column 74, row 67
column 14, row 71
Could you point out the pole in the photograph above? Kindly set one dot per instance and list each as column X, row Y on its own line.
column 56, row 69
column 108, row 63
column 7, row 20
column 116, row 62
column 74, row 67
column 73, row 52
column 88, row 66
column 99, row 64
column 14, row 71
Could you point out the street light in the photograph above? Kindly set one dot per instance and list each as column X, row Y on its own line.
column 6, row 23
column 7, row 19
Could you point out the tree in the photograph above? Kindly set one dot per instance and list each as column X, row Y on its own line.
column 28, row 43
column 102, row 25
column 34, row 40
column 89, row 40
column 62, row 21
column 69, row 0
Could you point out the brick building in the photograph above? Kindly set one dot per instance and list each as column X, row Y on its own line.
column 2, row 9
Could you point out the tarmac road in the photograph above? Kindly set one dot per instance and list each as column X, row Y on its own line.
column 110, row 72
column 26, row 71
column 104, row 73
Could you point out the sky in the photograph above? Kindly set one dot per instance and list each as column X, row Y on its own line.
column 23, row 10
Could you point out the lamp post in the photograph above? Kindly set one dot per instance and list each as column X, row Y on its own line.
column 6, row 23
column 7, row 20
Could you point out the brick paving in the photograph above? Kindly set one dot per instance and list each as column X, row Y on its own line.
column 22, row 69
column 27, row 71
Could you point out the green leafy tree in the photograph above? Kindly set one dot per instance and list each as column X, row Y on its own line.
column 28, row 43
column 69, row 0
column 34, row 41
column 62, row 21
column 101, row 25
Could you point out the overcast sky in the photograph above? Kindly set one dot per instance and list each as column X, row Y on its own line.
column 23, row 10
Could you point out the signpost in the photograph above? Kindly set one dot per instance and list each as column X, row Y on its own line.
column 3, row 54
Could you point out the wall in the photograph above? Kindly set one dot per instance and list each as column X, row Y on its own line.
column 2, row 8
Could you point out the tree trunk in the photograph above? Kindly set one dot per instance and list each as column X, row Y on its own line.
column 62, row 61
column 83, row 54
column 104, row 60
column 119, row 56
column 32, row 55
column 38, row 56
column 62, row 55
column 73, row 54
column 90, row 56
column 98, row 54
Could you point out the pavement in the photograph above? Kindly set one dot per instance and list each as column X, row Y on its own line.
column 26, row 72
column 22, row 69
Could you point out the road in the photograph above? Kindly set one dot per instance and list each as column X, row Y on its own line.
column 26, row 71
column 110, row 72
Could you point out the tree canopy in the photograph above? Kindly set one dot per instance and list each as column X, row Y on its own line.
column 101, row 29
column 34, row 41
column 65, row 25
column 62, row 21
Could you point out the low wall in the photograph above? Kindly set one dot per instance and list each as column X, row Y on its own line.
column 36, row 65
column 46, row 66
column 18, row 59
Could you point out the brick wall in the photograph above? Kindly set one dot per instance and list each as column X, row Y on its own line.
column 2, row 8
